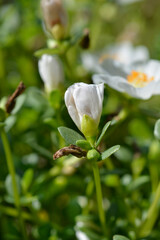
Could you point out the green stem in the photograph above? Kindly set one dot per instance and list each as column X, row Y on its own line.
column 14, row 183
column 152, row 215
column 99, row 196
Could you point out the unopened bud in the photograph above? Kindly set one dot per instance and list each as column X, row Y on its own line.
column 54, row 14
column 85, row 41
column 58, row 31
column 51, row 71
column 93, row 155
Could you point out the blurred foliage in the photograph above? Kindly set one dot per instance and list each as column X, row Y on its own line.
column 58, row 197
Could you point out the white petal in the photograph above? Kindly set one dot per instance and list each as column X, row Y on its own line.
column 152, row 69
column 112, row 81
column 140, row 54
column 74, row 115
column 114, row 68
column 83, row 101
column 70, row 104
column 142, row 93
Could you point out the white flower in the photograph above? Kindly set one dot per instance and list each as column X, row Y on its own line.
column 51, row 71
column 122, row 53
column 84, row 104
column 53, row 13
column 139, row 81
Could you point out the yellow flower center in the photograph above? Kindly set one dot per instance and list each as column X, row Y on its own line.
column 107, row 56
column 139, row 79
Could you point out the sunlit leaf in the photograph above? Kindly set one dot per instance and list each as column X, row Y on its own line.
column 139, row 182
column 103, row 133
column 9, row 185
column 109, row 152
column 119, row 237
column 69, row 135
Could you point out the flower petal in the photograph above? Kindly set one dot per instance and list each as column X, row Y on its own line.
column 112, row 81
column 87, row 101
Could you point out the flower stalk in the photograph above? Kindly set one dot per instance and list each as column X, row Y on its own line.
column 152, row 215
column 14, row 183
column 93, row 155
column 99, row 195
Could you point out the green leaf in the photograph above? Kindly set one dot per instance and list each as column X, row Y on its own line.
column 2, row 124
column 157, row 129
column 137, row 183
column 51, row 122
column 27, row 179
column 120, row 237
column 52, row 51
column 2, row 115
column 9, row 122
column 69, row 135
column 83, row 144
column 19, row 103
column 103, row 132
column 109, row 152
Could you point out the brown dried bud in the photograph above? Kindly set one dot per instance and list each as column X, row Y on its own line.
column 12, row 99
column 85, row 41
column 54, row 14
column 72, row 149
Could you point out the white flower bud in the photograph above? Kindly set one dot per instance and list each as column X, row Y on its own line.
column 55, row 17
column 51, row 71
column 84, row 104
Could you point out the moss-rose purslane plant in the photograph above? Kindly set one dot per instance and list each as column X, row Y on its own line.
column 84, row 104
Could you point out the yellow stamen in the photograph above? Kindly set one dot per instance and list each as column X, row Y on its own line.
column 139, row 79
column 107, row 56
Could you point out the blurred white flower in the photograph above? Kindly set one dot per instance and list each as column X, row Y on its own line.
column 139, row 81
column 81, row 235
column 84, row 104
column 51, row 71
column 122, row 53
column 123, row 2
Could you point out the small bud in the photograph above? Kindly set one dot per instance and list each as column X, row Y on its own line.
column 85, row 41
column 54, row 14
column 51, row 72
column 93, row 155
column 83, row 144
column 58, row 31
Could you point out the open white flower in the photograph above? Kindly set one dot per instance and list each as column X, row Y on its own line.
column 84, row 104
column 51, row 71
column 122, row 53
column 139, row 81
